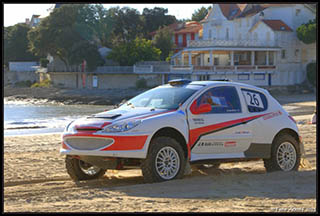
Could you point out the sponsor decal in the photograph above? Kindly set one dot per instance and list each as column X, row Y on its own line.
column 230, row 144
column 198, row 121
column 242, row 132
column 216, row 144
column 272, row 115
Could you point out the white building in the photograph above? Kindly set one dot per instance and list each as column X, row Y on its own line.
column 250, row 43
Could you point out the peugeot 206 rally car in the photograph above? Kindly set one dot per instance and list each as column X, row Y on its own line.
column 167, row 128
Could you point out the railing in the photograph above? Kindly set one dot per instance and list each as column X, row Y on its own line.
column 231, row 43
column 143, row 69
column 221, row 68
column 181, row 68
column 114, row 69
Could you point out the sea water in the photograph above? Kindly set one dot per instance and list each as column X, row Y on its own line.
column 21, row 118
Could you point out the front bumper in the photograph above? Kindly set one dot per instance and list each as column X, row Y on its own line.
column 109, row 145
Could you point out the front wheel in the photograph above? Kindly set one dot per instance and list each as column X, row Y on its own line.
column 165, row 160
column 285, row 154
column 79, row 170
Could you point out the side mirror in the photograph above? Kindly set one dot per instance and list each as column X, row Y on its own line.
column 203, row 108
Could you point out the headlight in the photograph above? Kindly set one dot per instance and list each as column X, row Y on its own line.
column 122, row 126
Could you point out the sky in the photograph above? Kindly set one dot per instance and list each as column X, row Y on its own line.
column 17, row 13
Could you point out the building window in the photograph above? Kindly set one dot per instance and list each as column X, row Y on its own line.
column 271, row 58
column 204, row 77
column 268, row 36
column 296, row 53
column 216, row 60
column 297, row 12
column 240, row 23
column 260, row 57
column 227, row 34
column 239, row 36
column 255, row 36
column 210, row 34
column 283, row 54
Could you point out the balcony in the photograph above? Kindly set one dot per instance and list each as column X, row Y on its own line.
column 223, row 69
column 231, row 43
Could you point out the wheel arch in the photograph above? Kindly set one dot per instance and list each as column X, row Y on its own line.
column 289, row 131
column 175, row 134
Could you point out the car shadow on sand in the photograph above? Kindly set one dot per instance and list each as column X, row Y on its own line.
column 215, row 184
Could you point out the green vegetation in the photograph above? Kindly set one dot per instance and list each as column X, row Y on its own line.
column 141, row 83
column 74, row 32
column 163, row 41
column 307, row 33
column 311, row 73
column 45, row 84
column 64, row 33
column 127, row 54
column 200, row 14
column 15, row 44
column 44, row 62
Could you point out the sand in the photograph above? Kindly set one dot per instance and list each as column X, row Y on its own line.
column 35, row 180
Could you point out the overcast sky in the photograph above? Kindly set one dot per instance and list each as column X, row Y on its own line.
column 16, row 13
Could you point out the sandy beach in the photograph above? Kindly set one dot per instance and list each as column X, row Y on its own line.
column 35, row 180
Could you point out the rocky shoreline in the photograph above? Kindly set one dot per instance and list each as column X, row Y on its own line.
column 70, row 96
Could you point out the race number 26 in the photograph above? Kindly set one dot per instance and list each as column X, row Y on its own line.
column 253, row 99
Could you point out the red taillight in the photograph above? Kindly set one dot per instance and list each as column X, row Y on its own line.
column 290, row 117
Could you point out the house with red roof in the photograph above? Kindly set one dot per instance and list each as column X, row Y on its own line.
column 250, row 43
column 183, row 32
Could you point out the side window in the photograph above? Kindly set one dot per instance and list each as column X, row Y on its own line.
column 256, row 101
column 222, row 99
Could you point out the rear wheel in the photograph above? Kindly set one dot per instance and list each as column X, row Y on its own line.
column 285, row 154
column 79, row 170
column 165, row 160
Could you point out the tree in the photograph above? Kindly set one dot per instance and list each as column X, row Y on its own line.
column 16, row 44
column 96, row 22
column 200, row 14
column 63, row 33
column 128, row 24
column 307, row 33
column 163, row 41
column 140, row 49
column 156, row 18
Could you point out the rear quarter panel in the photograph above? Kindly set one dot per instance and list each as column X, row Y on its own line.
column 275, row 120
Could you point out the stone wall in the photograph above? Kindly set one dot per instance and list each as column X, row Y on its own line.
column 12, row 77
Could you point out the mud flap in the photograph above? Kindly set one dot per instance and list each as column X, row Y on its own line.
column 187, row 170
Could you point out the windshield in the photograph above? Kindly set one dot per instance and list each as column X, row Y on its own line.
column 161, row 98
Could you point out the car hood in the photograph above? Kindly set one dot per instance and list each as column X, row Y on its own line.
column 100, row 120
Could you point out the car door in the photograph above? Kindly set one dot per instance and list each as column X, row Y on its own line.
column 222, row 132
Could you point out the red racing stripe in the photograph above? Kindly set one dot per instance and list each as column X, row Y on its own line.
column 194, row 134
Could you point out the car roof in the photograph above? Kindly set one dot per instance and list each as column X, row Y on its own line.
column 212, row 83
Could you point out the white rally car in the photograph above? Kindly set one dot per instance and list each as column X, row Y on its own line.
column 167, row 128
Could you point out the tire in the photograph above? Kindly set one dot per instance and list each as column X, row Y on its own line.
column 285, row 154
column 175, row 164
column 208, row 166
column 79, row 170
